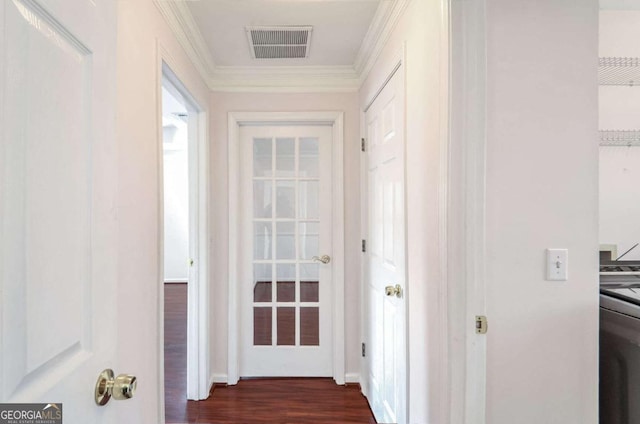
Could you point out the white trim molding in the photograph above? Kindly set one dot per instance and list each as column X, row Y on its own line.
column 384, row 21
column 218, row 379
column 352, row 378
column 186, row 31
column 336, row 120
column 284, row 79
column 442, row 409
column 301, row 79
column 198, row 290
column 466, row 216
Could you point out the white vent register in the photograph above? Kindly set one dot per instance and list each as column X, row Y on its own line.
column 279, row 42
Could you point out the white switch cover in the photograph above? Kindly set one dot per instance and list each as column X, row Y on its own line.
column 557, row 264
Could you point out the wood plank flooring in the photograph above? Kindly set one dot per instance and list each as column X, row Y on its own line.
column 177, row 409
column 282, row 401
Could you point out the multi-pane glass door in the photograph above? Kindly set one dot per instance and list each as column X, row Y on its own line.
column 290, row 226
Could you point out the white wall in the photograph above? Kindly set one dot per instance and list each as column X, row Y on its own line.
column 140, row 28
column 619, row 33
column 176, row 202
column 541, row 190
column 221, row 104
column 620, row 110
column 421, row 29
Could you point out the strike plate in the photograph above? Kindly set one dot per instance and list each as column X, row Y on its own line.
column 481, row 324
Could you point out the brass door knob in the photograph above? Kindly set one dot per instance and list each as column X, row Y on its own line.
column 393, row 290
column 121, row 387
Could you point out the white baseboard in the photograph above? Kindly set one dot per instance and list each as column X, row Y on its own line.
column 223, row 378
column 218, row 378
column 175, row 280
column 211, row 383
column 352, row 377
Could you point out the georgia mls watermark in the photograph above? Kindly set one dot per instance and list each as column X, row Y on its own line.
column 30, row 413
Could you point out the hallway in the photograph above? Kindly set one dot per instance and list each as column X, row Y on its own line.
column 309, row 400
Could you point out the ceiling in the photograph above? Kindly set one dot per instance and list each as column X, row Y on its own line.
column 619, row 5
column 347, row 36
column 338, row 28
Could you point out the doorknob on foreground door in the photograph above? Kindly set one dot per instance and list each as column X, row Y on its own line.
column 325, row 259
column 121, row 387
column 393, row 290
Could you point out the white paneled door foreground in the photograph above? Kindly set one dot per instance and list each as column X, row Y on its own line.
column 385, row 272
column 286, row 285
column 58, row 269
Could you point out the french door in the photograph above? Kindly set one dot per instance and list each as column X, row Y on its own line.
column 286, row 285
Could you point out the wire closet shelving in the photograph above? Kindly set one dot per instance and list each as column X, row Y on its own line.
column 627, row 138
column 620, row 71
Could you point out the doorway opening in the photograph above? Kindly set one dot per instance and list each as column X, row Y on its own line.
column 619, row 231
column 183, row 251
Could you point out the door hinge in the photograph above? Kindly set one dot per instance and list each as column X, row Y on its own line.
column 364, row 350
column 481, row 324
column 364, row 245
column 362, row 144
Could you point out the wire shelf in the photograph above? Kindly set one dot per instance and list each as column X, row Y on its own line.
column 627, row 138
column 619, row 71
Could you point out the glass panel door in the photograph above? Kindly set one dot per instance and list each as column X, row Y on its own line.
column 286, row 198
column 286, row 206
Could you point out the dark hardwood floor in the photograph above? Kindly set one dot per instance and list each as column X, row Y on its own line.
column 294, row 401
column 177, row 409
column 282, row 401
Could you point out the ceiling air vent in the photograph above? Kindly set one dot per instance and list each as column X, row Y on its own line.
column 279, row 42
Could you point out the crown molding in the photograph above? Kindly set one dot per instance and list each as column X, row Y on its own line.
column 380, row 18
column 285, row 78
column 281, row 78
column 382, row 25
column 185, row 29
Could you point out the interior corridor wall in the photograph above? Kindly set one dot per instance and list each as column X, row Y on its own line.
column 422, row 32
column 221, row 105
column 140, row 28
column 541, row 192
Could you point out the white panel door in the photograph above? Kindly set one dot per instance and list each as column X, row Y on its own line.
column 385, row 257
column 58, row 265
column 285, row 301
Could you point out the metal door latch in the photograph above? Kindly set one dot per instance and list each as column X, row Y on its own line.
column 481, row 324
column 393, row 290
column 325, row 259
column 121, row 387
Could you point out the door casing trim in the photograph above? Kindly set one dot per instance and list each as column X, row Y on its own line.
column 336, row 120
column 466, row 203
column 198, row 380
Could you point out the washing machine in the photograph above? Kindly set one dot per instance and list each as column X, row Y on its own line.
column 620, row 342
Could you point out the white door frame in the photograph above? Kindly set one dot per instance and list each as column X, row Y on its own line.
column 466, row 253
column 198, row 381
column 336, row 120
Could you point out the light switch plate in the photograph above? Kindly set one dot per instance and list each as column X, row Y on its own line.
column 557, row 264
